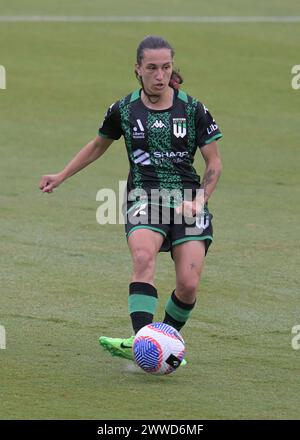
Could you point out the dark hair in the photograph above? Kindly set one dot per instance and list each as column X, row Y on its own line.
column 154, row 42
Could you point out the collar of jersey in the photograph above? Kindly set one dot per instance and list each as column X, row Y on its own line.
column 137, row 95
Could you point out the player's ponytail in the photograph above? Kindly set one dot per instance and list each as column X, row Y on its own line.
column 176, row 80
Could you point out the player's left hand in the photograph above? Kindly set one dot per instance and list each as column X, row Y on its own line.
column 190, row 209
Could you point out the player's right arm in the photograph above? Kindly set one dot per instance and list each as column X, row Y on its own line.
column 88, row 154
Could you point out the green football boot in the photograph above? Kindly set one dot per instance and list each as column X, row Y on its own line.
column 122, row 347
column 118, row 347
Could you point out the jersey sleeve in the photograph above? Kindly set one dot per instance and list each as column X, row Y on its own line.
column 111, row 125
column 207, row 129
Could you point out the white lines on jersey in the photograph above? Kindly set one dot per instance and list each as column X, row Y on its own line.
column 141, row 157
column 148, row 19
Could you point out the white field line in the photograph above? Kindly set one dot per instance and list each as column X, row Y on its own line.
column 147, row 19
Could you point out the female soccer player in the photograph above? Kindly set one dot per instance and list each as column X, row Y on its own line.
column 166, row 207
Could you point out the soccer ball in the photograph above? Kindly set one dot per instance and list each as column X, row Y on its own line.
column 158, row 348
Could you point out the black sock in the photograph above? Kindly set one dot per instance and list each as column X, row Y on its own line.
column 142, row 303
column 177, row 312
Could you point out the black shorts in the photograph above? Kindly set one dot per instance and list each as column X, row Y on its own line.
column 175, row 228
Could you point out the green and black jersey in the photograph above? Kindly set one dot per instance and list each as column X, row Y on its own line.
column 161, row 144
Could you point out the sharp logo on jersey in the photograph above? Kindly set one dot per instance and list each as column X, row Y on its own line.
column 179, row 127
column 158, row 124
column 170, row 154
column 141, row 157
column 138, row 134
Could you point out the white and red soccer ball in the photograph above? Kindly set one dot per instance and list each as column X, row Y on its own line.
column 158, row 348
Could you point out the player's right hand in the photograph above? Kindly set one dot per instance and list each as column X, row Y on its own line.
column 49, row 182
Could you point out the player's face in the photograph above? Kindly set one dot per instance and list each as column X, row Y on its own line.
column 155, row 70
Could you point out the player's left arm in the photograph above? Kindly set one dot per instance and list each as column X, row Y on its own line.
column 213, row 169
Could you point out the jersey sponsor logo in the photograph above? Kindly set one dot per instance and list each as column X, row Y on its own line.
column 179, row 127
column 141, row 157
column 139, row 122
column 159, row 157
column 139, row 131
column 158, row 124
column 170, row 154
column 212, row 128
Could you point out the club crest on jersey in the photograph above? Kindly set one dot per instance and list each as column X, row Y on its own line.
column 179, row 127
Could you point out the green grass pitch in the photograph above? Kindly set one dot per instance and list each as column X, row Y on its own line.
column 64, row 278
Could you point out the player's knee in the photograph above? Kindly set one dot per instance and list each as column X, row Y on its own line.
column 187, row 287
column 143, row 260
